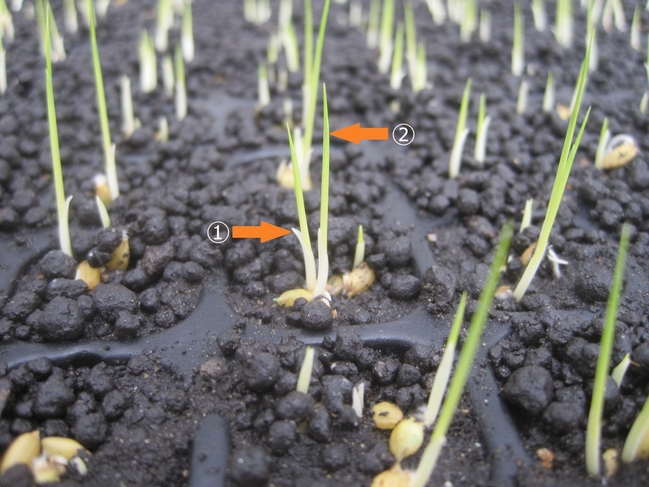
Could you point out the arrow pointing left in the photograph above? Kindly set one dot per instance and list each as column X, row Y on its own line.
column 264, row 231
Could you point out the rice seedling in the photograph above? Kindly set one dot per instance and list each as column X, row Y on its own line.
column 359, row 253
column 291, row 48
column 304, row 377
column 521, row 102
column 482, row 130
column 548, row 95
column 358, row 399
column 148, row 67
column 619, row 371
column 437, row 10
column 103, row 212
column 163, row 130
column 484, row 30
column 591, row 31
column 636, row 445
column 181, row 90
column 461, row 133
column 168, row 77
column 82, row 7
column 62, row 205
column 101, row 8
column 263, row 89
column 187, row 33
column 274, row 46
column 604, row 137
column 385, row 39
column 58, row 48
column 396, row 73
column 518, row 47
column 464, row 363
column 469, row 21
column 421, row 73
column 526, row 221
column 539, row 15
column 594, row 427
column 3, row 68
column 563, row 29
column 285, row 13
column 70, row 17
column 443, row 373
column 373, row 20
column 126, row 99
column 164, row 21
column 566, row 159
column 109, row 148
column 635, row 29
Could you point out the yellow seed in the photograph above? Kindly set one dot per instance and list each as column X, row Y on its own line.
column 386, row 415
column 359, row 279
column 611, row 461
column 620, row 155
column 406, row 438
column 60, row 445
column 90, row 275
column 503, row 292
column 527, row 255
column 563, row 111
column 102, row 190
column 288, row 297
column 121, row 255
column 394, row 477
column 335, row 285
column 23, row 449
column 285, row 177
column 546, row 456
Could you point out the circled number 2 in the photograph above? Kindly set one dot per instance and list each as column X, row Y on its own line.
column 403, row 134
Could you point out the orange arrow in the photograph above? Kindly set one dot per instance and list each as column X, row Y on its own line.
column 264, row 231
column 354, row 133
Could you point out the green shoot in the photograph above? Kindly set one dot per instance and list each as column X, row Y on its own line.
column 148, row 69
column 323, row 258
column 285, row 13
column 411, row 42
column 540, row 17
column 548, row 95
column 109, row 153
column 461, row 133
column 272, row 51
column 164, row 21
column 604, row 137
column 163, row 130
column 437, row 10
column 637, row 442
column 359, row 254
column 594, row 427
column 181, row 91
column 482, row 129
column 421, row 73
column 304, row 378
column 103, row 212
column 3, row 68
column 526, row 221
column 128, row 119
column 70, row 17
column 591, row 31
column 373, row 24
column 308, row 50
column 287, row 108
column 521, row 102
column 291, row 48
column 263, row 90
column 619, row 371
column 518, row 47
column 445, row 366
column 564, row 24
column 83, row 10
column 168, row 76
column 187, row 34
column 396, row 74
column 311, row 91
column 469, row 20
column 358, row 398
column 635, row 29
column 568, row 154
column 464, row 363
column 58, row 49
column 57, row 171
column 355, row 13
column 618, row 14
column 385, row 39
column 484, row 30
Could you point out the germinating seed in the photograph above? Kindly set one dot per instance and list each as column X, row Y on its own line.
column 406, row 438
column 386, row 415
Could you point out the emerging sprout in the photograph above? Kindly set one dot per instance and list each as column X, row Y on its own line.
column 58, row 49
column 6, row 22
column 620, row 369
column 128, row 119
column 437, row 10
column 469, row 20
column 396, row 74
column 521, row 103
column 385, row 39
column 604, row 137
column 164, row 21
column 168, row 78
column 291, row 48
column 148, row 69
column 304, row 378
column 355, row 13
column 540, row 17
column 636, row 445
column 548, row 96
column 526, row 221
column 461, row 133
column 373, row 19
column 484, row 31
column 564, row 24
column 181, row 90
column 358, row 397
column 70, row 16
column 103, row 212
column 187, row 34
column 163, row 130
column 263, row 90
column 593, row 431
column 482, row 129
column 23, row 450
column 620, row 150
column 518, row 47
column 359, row 253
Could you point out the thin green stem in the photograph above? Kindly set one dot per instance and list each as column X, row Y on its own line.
column 460, row 134
column 323, row 258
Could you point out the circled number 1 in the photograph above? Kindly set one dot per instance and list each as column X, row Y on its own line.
column 403, row 134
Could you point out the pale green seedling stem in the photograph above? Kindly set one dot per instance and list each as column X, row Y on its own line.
column 484, row 31
column 385, row 39
column 604, row 137
column 518, row 47
column 103, row 212
column 521, row 102
column 526, row 221
column 109, row 157
column 594, row 427
column 373, row 21
column 58, row 48
column 482, row 130
column 635, row 29
column 168, row 78
column 359, row 254
column 57, row 171
column 461, row 133
column 323, row 258
column 3, row 69
column 464, row 363
column 128, row 119
column 411, row 42
column 443, row 373
column 637, row 442
column 181, row 90
column 70, row 17
column 566, row 159
column 540, row 17
column 437, row 10
column 469, row 20
column 548, row 96
column 304, row 378
column 396, row 74
column 619, row 371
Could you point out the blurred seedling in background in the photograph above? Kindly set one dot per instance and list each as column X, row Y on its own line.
column 359, row 279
